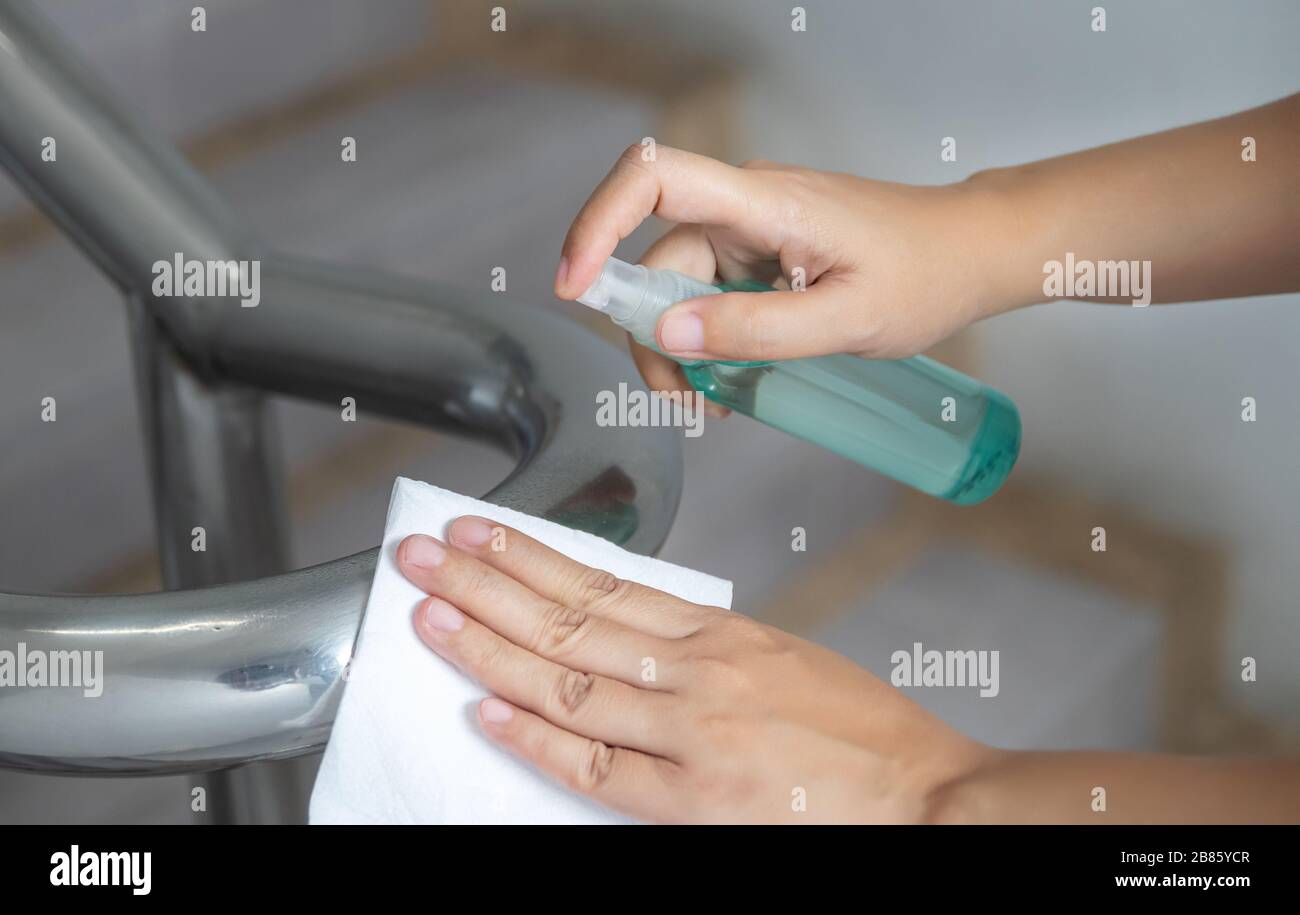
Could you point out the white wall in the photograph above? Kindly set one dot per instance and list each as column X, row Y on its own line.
column 1142, row 406
column 183, row 82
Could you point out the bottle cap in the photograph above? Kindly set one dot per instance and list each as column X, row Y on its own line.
column 618, row 290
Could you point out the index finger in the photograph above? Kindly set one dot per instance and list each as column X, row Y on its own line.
column 676, row 185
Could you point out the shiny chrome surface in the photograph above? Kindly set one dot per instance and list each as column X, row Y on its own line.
column 252, row 670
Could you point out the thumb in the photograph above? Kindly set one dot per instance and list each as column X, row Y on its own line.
column 757, row 326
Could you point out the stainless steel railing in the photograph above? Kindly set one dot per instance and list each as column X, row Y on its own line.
column 236, row 670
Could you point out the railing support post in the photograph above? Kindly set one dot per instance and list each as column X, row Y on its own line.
column 219, row 518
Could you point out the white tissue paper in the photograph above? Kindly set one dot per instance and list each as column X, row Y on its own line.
column 406, row 745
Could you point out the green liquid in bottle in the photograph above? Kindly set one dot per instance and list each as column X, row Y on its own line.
column 915, row 420
column 886, row 415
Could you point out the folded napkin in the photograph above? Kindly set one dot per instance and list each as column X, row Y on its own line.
column 406, row 745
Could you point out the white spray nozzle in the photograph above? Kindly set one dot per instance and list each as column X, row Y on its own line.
column 618, row 290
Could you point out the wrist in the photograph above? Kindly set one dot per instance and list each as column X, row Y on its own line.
column 1002, row 218
column 967, row 797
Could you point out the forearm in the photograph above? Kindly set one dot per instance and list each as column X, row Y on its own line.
column 1035, row 787
column 1211, row 224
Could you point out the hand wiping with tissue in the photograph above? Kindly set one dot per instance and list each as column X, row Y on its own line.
column 405, row 746
column 513, row 671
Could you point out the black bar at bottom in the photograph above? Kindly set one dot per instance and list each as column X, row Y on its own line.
column 659, row 866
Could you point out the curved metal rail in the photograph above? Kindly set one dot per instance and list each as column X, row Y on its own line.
column 217, row 676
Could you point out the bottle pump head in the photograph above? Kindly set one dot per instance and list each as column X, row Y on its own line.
column 618, row 290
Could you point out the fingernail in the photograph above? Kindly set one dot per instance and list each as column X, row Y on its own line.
column 470, row 531
column 562, row 273
column 423, row 552
column 494, row 711
column 440, row 615
column 682, row 332
column 715, row 411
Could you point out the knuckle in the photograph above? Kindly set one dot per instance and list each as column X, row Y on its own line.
column 799, row 182
column 572, row 689
column 634, row 158
column 598, row 588
column 725, row 655
column 799, row 207
column 597, row 583
column 594, row 766
column 559, row 629
column 728, row 626
column 759, row 638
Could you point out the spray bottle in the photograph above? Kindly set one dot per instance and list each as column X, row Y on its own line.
column 914, row 420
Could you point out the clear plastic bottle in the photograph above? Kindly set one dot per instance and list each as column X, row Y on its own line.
column 915, row 420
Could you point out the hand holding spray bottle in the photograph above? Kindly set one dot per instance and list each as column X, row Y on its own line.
column 915, row 420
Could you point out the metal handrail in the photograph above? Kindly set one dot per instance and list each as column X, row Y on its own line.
column 217, row 676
